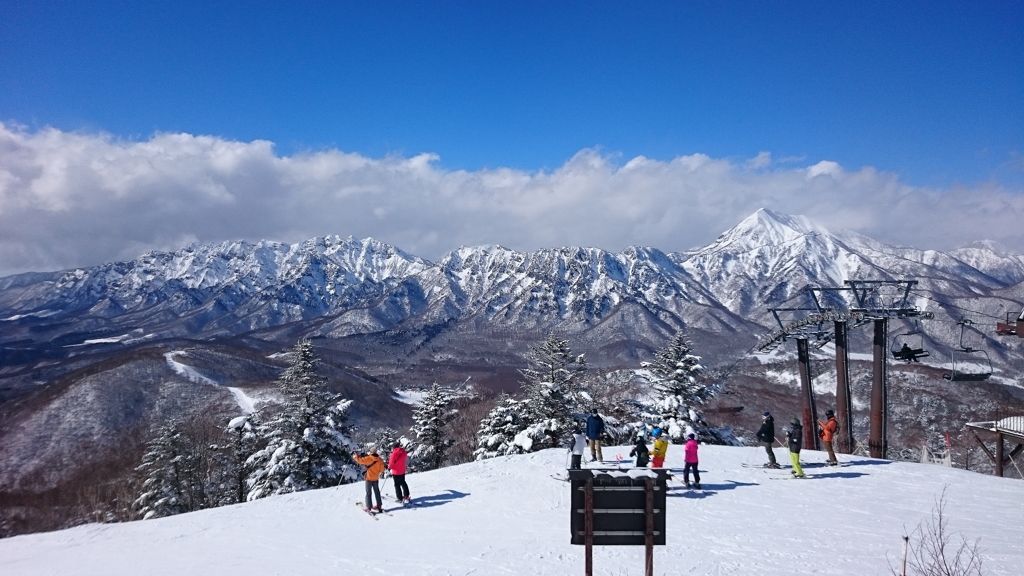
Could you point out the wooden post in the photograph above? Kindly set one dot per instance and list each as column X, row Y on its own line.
column 844, row 405
column 588, row 526
column 999, row 454
column 810, row 416
column 877, row 444
column 649, row 536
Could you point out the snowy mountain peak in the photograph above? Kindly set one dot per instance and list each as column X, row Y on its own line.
column 767, row 227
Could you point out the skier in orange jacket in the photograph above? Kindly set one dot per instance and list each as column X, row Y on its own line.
column 374, row 468
column 828, row 434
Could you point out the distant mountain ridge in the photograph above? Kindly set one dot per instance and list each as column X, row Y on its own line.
column 344, row 287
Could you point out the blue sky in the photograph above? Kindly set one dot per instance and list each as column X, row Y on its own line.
column 922, row 98
column 933, row 91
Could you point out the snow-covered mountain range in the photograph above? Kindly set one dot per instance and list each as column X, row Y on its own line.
column 338, row 288
column 91, row 359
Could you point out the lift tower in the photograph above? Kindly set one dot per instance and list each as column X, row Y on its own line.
column 832, row 311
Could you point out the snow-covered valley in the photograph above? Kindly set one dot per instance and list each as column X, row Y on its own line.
column 509, row 516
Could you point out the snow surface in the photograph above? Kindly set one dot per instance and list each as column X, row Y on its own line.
column 410, row 397
column 508, row 516
column 244, row 401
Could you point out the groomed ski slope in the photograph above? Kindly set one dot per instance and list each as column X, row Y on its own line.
column 508, row 516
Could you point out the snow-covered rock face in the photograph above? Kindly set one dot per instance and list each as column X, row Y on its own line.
column 270, row 282
column 769, row 258
column 366, row 286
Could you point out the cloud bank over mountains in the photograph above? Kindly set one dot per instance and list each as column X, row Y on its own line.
column 74, row 199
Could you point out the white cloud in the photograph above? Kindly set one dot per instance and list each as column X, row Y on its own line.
column 72, row 199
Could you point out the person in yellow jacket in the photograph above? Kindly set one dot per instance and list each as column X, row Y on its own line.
column 659, row 450
column 374, row 469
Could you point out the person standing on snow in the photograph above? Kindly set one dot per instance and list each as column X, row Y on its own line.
column 660, row 449
column 827, row 434
column 579, row 446
column 374, row 468
column 643, row 456
column 690, row 457
column 595, row 428
column 766, row 436
column 397, row 464
column 795, row 436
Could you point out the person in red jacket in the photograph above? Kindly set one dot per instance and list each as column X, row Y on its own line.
column 374, row 468
column 828, row 434
column 396, row 463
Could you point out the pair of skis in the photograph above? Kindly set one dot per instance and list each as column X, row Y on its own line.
column 403, row 503
column 372, row 513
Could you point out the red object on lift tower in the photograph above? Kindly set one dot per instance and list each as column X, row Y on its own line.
column 1009, row 328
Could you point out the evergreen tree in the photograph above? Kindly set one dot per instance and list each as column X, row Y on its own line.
column 383, row 439
column 244, row 440
column 308, row 442
column 166, row 468
column 676, row 374
column 430, row 421
column 554, row 395
column 498, row 430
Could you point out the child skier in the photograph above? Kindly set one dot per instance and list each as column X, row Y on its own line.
column 795, row 436
column 660, row 449
column 579, row 446
column 639, row 450
column 690, row 456
column 374, row 468
column 397, row 464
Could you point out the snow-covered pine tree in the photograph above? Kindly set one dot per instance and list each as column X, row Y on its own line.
column 166, row 469
column 244, row 440
column 676, row 375
column 498, row 430
column 430, row 420
column 553, row 394
column 382, row 439
column 308, row 442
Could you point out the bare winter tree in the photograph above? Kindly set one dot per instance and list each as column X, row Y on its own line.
column 933, row 551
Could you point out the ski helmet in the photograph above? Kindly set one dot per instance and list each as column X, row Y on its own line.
column 829, row 413
column 767, row 415
column 690, row 436
column 656, row 432
column 795, row 421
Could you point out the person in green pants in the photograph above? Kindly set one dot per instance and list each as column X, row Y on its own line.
column 795, row 435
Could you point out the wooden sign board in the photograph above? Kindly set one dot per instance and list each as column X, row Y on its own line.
column 627, row 506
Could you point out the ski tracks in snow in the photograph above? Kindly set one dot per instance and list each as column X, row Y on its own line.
column 244, row 401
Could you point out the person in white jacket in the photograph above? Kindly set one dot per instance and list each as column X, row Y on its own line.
column 579, row 447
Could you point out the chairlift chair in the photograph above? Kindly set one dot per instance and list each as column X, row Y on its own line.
column 909, row 346
column 965, row 352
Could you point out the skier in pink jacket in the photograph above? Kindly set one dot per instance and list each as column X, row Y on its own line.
column 690, row 453
column 396, row 463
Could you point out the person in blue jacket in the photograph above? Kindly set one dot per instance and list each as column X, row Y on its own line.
column 595, row 428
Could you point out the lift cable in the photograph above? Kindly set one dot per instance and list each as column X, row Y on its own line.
column 957, row 307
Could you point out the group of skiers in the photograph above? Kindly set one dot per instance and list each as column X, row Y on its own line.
column 655, row 455
column 376, row 469
column 794, row 438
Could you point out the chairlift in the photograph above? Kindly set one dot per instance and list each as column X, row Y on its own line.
column 965, row 354
column 909, row 346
